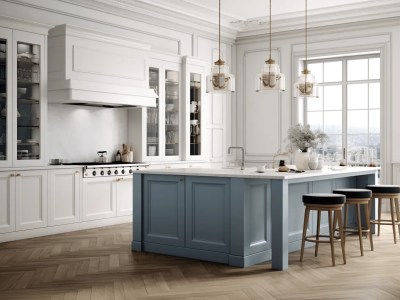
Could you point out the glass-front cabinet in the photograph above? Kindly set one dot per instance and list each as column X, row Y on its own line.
column 22, row 98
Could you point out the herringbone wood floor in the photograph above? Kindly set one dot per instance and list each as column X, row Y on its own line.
column 98, row 264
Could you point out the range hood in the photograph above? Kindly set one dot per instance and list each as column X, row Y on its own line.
column 87, row 67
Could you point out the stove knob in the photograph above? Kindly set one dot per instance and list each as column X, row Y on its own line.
column 123, row 171
column 130, row 171
column 94, row 173
column 109, row 172
column 116, row 172
column 101, row 173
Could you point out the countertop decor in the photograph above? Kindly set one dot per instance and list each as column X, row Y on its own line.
column 302, row 137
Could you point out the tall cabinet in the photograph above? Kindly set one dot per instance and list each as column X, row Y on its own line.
column 173, row 130
column 23, row 101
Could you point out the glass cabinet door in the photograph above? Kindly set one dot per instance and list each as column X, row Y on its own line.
column 195, row 114
column 28, row 101
column 3, row 101
column 171, row 113
column 153, row 124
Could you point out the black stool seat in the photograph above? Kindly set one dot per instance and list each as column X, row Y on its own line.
column 324, row 199
column 384, row 188
column 354, row 193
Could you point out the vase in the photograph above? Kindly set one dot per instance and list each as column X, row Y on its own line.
column 320, row 163
column 313, row 162
column 302, row 159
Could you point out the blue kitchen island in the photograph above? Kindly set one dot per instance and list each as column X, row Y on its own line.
column 231, row 216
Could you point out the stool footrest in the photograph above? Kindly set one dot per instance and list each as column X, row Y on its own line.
column 384, row 222
column 313, row 239
column 355, row 230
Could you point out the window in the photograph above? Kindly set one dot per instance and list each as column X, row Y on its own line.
column 348, row 109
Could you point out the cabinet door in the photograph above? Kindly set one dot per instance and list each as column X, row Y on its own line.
column 7, row 202
column 207, row 213
column 5, row 97
column 172, row 112
column 64, row 196
column 98, row 198
column 31, row 199
column 29, row 93
column 163, row 209
column 124, row 196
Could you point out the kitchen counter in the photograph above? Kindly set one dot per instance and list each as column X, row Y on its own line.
column 227, row 215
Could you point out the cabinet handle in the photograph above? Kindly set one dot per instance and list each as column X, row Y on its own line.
column 18, row 174
column 12, row 175
column 76, row 172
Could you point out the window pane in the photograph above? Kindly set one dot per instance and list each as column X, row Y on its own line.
column 357, row 69
column 357, row 96
column 374, row 68
column 357, row 148
column 374, row 95
column 375, row 148
column 314, row 104
column 374, row 121
column 357, row 121
column 333, row 97
column 333, row 122
column 333, row 71
column 316, row 70
column 315, row 120
column 333, row 148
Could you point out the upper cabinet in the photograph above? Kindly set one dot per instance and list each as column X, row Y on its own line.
column 95, row 68
column 174, row 129
column 23, row 98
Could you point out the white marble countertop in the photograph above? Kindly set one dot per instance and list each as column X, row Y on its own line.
column 252, row 172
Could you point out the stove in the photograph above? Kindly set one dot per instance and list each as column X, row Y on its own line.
column 94, row 169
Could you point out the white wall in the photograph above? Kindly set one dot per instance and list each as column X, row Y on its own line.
column 383, row 36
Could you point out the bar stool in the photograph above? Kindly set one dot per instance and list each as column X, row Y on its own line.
column 357, row 197
column 391, row 192
column 324, row 202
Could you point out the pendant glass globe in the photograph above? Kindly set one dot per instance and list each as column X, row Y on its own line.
column 220, row 80
column 306, row 87
column 271, row 78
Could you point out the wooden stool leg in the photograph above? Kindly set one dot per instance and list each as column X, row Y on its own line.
column 397, row 212
column 342, row 235
column 331, row 236
column 359, row 228
column 367, row 221
column 305, row 225
column 393, row 221
column 379, row 215
column 318, row 230
column 345, row 222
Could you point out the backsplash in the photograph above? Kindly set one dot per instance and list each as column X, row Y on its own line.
column 76, row 133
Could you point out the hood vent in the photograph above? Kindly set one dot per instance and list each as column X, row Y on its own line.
column 97, row 69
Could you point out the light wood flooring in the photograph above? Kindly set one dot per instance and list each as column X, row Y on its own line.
column 98, row 264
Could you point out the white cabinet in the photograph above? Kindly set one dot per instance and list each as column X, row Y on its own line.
column 30, row 199
column 7, row 202
column 124, row 187
column 64, row 196
column 98, row 198
column 158, row 130
column 23, row 98
column 106, row 197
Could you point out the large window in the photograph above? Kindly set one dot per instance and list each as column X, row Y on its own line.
column 348, row 109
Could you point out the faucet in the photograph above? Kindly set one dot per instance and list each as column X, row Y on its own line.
column 240, row 148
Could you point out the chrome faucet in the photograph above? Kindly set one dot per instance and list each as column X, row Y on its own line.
column 240, row 148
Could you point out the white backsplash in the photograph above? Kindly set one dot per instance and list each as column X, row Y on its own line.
column 76, row 133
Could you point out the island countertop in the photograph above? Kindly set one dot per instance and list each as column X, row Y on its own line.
column 251, row 172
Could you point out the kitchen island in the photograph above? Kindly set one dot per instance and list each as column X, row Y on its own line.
column 231, row 216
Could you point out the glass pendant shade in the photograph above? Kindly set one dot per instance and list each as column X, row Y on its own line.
column 306, row 87
column 271, row 78
column 220, row 80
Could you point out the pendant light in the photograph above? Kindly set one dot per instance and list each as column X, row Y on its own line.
column 271, row 78
column 306, row 87
column 220, row 80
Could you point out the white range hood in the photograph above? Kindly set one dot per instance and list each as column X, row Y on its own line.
column 97, row 69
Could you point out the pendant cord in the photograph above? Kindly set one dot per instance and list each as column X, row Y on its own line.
column 270, row 31
column 219, row 29
column 306, row 36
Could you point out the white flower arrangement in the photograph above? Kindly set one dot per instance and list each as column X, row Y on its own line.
column 302, row 137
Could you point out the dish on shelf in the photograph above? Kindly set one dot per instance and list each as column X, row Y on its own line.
column 169, row 151
column 21, row 91
column 25, row 55
column 31, row 141
column 19, row 142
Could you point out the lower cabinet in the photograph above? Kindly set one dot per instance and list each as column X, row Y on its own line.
column 30, row 199
column 7, row 202
column 194, row 213
column 64, row 196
